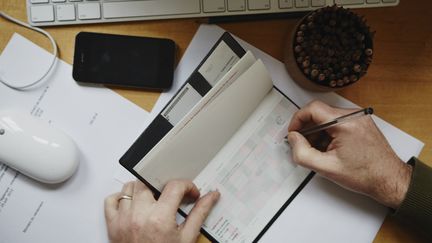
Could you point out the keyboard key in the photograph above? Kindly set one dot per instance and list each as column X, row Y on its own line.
column 389, row 1
column 318, row 3
column 372, row 1
column 39, row 1
column 42, row 13
column 149, row 8
column 213, row 6
column 302, row 3
column 75, row 0
column 89, row 11
column 259, row 4
column 348, row 2
column 236, row 5
column 285, row 3
column 58, row 1
column 65, row 12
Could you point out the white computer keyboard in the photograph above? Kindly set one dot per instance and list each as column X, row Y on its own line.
column 66, row 12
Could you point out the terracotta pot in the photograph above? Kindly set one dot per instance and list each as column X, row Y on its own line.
column 296, row 72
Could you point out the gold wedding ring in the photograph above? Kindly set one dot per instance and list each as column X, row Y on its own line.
column 125, row 197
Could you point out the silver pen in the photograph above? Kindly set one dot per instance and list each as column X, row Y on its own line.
column 337, row 121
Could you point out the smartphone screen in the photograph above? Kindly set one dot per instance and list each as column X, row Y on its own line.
column 126, row 61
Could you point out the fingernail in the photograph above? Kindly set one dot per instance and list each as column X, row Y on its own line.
column 215, row 193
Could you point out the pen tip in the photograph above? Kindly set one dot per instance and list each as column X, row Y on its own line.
column 369, row 111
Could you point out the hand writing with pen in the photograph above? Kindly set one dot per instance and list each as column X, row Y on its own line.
column 357, row 157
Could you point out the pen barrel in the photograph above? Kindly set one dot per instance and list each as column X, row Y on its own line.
column 318, row 128
column 337, row 121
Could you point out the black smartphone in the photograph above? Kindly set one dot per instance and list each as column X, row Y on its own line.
column 125, row 61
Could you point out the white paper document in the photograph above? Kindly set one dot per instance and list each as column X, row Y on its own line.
column 103, row 125
column 322, row 211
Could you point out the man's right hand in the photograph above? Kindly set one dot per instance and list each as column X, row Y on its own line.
column 358, row 157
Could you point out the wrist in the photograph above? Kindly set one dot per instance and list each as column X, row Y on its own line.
column 394, row 186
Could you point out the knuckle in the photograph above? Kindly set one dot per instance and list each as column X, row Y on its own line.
column 173, row 184
column 178, row 187
column 297, row 159
column 173, row 187
column 315, row 104
column 352, row 126
column 300, row 155
column 201, row 215
column 202, row 204
column 108, row 199
column 136, row 223
column 127, row 186
column 304, row 157
column 157, row 224
column 198, row 216
column 136, row 183
column 155, row 220
column 296, row 114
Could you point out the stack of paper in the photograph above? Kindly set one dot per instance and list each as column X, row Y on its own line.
column 103, row 125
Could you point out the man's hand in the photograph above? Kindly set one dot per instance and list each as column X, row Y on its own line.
column 358, row 157
column 143, row 219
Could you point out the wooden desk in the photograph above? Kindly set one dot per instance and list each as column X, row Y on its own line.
column 398, row 84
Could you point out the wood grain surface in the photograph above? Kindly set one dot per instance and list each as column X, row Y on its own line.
column 398, row 84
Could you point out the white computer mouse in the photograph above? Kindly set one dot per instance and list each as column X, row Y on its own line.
column 36, row 149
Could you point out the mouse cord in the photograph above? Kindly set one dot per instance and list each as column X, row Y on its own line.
column 54, row 53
